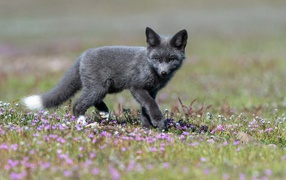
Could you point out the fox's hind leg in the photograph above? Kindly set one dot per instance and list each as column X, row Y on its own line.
column 103, row 110
column 88, row 98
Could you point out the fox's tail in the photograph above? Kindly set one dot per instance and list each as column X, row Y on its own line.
column 64, row 90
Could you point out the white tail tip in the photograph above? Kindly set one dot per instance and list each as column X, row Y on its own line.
column 33, row 102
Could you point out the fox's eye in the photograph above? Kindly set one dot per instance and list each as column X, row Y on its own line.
column 172, row 58
column 156, row 58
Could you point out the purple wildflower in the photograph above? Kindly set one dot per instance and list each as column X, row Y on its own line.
column 16, row 176
column 14, row 147
column 131, row 165
column 207, row 171
column 220, row 128
column 138, row 138
column 12, row 163
column 268, row 172
column 269, row 130
column 203, row 159
column 103, row 146
column 153, row 149
column 213, row 131
column 182, row 137
column 92, row 155
column 114, row 173
column 69, row 160
column 194, row 144
column 166, row 165
column 106, row 134
column 162, row 136
column 91, row 136
column 236, row 143
column 61, row 140
column 44, row 165
column 67, row 173
column 66, row 158
column 225, row 143
column 242, row 176
column 185, row 133
column 4, row 146
column 78, row 127
column 95, row 171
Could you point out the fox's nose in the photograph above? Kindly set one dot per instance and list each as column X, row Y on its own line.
column 164, row 73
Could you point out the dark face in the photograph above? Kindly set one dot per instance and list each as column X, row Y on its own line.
column 165, row 60
column 166, row 54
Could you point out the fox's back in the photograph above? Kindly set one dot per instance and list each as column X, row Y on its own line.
column 123, row 66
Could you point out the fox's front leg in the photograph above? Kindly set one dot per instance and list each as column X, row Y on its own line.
column 145, row 119
column 150, row 109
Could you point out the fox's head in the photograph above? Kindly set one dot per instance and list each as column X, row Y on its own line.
column 165, row 54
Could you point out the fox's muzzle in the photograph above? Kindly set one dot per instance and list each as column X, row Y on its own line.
column 163, row 69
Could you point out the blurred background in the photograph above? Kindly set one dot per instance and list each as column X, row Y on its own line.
column 235, row 52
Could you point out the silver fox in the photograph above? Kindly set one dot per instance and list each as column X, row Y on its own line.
column 99, row 71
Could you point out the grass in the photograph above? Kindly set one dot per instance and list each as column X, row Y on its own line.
column 44, row 146
column 226, row 107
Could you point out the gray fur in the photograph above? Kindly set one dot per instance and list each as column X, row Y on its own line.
column 144, row 71
column 65, row 89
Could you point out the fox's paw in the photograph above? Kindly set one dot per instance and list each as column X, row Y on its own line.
column 81, row 120
column 104, row 115
column 159, row 124
column 146, row 125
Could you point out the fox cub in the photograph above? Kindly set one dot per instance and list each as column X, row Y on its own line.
column 97, row 72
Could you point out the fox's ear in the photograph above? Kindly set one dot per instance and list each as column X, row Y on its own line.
column 179, row 40
column 152, row 38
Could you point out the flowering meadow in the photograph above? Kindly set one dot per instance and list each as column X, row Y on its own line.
column 200, row 145
column 225, row 109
